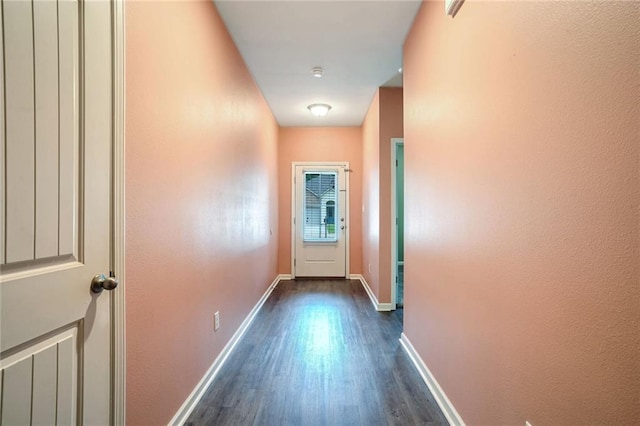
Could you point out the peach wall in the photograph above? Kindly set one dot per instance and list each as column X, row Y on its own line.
column 383, row 121
column 320, row 144
column 522, row 209
column 201, row 192
column 391, row 126
column 371, row 195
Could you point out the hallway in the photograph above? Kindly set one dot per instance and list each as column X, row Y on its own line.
column 521, row 184
column 318, row 353
column 151, row 200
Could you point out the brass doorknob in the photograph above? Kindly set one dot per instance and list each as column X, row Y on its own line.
column 100, row 282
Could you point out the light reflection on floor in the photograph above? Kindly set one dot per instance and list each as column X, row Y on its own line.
column 318, row 353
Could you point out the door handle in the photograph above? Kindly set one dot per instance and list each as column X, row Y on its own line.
column 342, row 227
column 100, row 282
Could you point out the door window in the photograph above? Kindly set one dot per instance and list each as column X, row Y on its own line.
column 320, row 206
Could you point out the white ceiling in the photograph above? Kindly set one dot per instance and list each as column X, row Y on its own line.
column 358, row 43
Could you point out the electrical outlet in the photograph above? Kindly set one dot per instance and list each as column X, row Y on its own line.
column 369, row 268
column 216, row 321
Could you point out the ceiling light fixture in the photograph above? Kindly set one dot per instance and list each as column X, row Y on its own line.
column 319, row 110
column 317, row 72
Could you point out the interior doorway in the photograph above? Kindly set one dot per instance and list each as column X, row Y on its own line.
column 397, row 218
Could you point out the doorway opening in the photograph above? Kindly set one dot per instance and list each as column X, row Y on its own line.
column 397, row 219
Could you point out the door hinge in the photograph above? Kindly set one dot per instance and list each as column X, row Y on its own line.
column 396, row 163
column 294, row 262
column 396, row 279
column 396, row 220
column 294, row 220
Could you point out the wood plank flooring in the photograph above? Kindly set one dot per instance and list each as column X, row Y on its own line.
column 318, row 353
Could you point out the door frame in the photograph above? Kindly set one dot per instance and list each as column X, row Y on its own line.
column 347, row 170
column 118, row 354
column 395, row 142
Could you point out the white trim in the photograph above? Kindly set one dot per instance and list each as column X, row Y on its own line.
column 445, row 405
column 344, row 164
column 394, row 229
column 118, row 295
column 293, row 218
column 192, row 400
column 347, row 223
column 382, row 307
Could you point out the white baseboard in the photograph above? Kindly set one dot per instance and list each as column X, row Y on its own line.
column 282, row 277
column 187, row 407
column 383, row 307
column 445, row 405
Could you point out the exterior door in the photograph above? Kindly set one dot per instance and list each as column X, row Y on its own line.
column 55, row 344
column 320, row 220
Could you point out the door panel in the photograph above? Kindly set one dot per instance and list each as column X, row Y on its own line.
column 46, row 128
column 19, row 111
column 43, row 401
column 42, row 377
column 42, row 165
column 69, row 127
column 55, row 340
column 16, row 393
column 320, row 199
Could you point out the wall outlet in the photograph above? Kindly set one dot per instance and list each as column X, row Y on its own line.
column 369, row 268
column 216, row 321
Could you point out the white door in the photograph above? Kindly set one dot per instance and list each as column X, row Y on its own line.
column 320, row 220
column 55, row 344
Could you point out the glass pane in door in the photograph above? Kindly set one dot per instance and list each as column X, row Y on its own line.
column 320, row 206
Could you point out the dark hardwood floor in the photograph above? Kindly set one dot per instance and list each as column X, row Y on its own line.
column 318, row 353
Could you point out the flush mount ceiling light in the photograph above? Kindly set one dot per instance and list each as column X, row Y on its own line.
column 319, row 110
column 317, row 72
